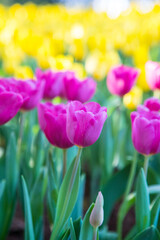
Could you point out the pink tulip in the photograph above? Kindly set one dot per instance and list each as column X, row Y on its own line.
column 53, row 83
column 66, row 85
column 74, row 89
column 153, row 74
column 31, row 91
column 10, row 102
column 85, row 122
column 153, row 104
column 121, row 79
column 146, row 128
column 52, row 120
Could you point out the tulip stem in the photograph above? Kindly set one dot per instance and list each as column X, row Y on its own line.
column 146, row 161
column 64, row 161
column 21, row 123
column 95, row 233
column 123, row 207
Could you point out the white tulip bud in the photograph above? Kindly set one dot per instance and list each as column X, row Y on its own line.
column 97, row 214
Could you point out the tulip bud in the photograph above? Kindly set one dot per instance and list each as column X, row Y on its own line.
column 97, row 215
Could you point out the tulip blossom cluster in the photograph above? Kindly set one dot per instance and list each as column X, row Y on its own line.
column 146, row 127
column 66, row 85
column 72, row 124
column 25, row 95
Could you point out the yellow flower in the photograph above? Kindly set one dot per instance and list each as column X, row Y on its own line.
column 23, row 72
column 132, row 99
column 141, row 81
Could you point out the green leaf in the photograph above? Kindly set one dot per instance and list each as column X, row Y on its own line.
column 150, row 233
column 86, row 229
column 142, row 203
column 155, row 210
column 72, row 231
column 11, row 167
column 67, row 197
column 114, row 190
column 52, row 194
column 2, row 186
column 37, row 203
column 78, row 209
column 105, row 235
column 29, row 233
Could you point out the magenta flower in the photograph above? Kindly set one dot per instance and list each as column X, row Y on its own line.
column 153, row 74
column 121, row 79
column 31, row 91
column 10, row 102
column 146, row 127
column 52, row 120
column 153, row 104
column 85, row 122
column 74, row 89
column 53, row 83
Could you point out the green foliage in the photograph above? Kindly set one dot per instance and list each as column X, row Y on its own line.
column 142, row 203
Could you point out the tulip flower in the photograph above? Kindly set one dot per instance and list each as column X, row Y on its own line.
column 85, row 122
column 53, row 83
column 74, row 89
column 52, row 120
column 97, row 214
column 31, row 91
column 153, row 104
column 121, row 79
column 10, row 102
column 153, row 74
column 146, row 127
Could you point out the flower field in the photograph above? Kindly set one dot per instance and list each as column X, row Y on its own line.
column 79, row 123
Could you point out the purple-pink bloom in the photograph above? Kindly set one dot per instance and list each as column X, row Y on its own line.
column 121, row 79
column 153, row 74
column 52, row 120
column 31, row 91
column 152, row 103
column 146, row 128
column 85, row 122
column 10, row 102
column 53, row 83
column 75, row 89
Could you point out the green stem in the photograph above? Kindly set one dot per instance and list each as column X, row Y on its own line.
column 59, row 225
column 146, row 161
column 117, row 127
column 122, row 210
column 64, row 161
column 95, row 233
column 21, row 123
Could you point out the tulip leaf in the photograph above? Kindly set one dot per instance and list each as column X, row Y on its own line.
column 78, row 209
column 86, row 229
column 113, row 190
column 11, row 167
column 155, row 211
column 150, row 233
column 72, row 231
column 142, row 203
column 52, row 194
column 104, row 234
column 39, row 189
column 29, row 233
column 66, row 199
column 2, row 187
